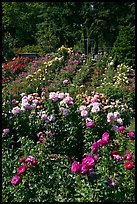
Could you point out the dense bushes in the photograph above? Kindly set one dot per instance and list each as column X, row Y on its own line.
column 63, row 142
column 123, row 50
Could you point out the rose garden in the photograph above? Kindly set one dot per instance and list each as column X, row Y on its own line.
column 68, row 131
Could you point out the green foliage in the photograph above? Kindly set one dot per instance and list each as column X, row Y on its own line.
column 124, row 47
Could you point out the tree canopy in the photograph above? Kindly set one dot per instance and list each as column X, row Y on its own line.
column 52, row 24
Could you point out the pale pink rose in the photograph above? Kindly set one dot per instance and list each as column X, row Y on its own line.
column 16, row 110
column 65, row 82
column 120, row 121
column 84, row 113
column 116, row 115
column 53, row 96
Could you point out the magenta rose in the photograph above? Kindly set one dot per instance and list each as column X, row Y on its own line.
column 89, row 161
column 75, row 167
column 84, row 168
column 22, row 169
column 105, row 138
column 90, row 124
column 128, row 156
column 95, row 147
column 15, row 180
column 131, row 135
column 129, row 165
column 121, row 128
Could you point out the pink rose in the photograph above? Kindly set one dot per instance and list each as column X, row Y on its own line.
column 75, row 167
column 84, row 168
column 121, row 128
column 105, row 138
column 128, row 156
column 90, row 124
column 84, row 113
column 89, row 160
column 131, row 135
column 65, row 82
column 15, row 180
column 22, row 169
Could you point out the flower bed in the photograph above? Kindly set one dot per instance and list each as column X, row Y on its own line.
column 62, row 144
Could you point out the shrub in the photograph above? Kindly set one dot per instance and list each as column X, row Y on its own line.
column 123, row 50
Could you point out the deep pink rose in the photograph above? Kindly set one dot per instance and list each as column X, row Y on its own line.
column 15, row 180
column 128, row 156
column 121, row 128
column 131, row 135
column 75, row 167
column 129, row 165
column 84, row 168
column 22, row 169
column 94, row 147
column 90, row 124
column 105, row 136
column 89, row 161
column 22, row 160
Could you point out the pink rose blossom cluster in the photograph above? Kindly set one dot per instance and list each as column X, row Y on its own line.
column 86, row 166
column 27, row 162
column 128, row 156
column 28, row 102
column 100, row 142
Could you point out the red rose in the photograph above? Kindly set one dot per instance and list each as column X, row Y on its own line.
column 22, row 169
column 129, row 165
column 115, row 152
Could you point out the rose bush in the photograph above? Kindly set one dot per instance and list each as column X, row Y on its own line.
column 60, row 144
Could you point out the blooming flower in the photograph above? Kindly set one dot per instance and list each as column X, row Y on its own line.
column 15, row 180
column 6, row 131
column 84, row 168
column 115, row 152
column 16, row 110
column 111, row 183
column 31, row 161
column 75, row 167
column 128, row 156
column 91, row 172
column 115, row 128
column 89, row 160
column 53, row 96
column 121, row 128
column 95, row 108
column 116, row 115
column 84, row 113
column 131, row 135
column 117, row 157
column 110, row 118
column 90, row 124
column 94, row 147
column 105, row 138
column 22, row 169
column 65, row 82
column 120, row 121
column 129, row 165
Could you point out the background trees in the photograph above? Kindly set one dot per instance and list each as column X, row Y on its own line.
column 49, row 25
